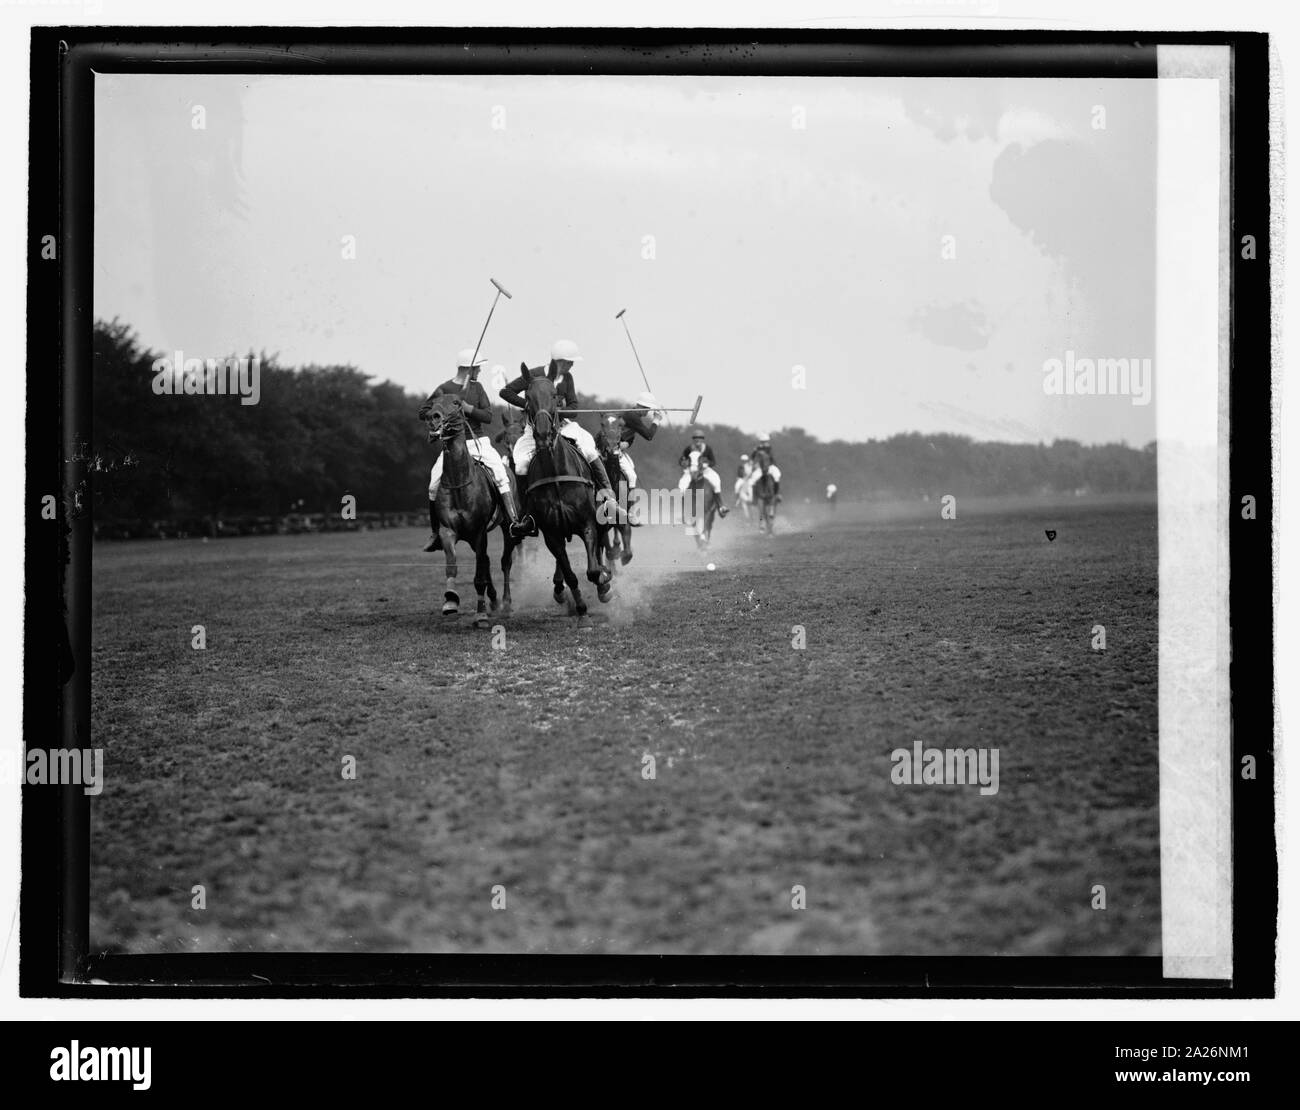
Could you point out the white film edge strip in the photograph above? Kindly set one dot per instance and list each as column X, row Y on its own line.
column 1193, row 260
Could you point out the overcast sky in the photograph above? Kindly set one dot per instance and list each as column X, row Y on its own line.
column 774, row 246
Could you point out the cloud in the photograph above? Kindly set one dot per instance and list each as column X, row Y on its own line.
column 962, row 325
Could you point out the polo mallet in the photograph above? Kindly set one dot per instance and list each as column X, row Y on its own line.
column 500, row 289
column 638, row 359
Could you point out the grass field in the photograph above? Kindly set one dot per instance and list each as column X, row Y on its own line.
column 523, row 766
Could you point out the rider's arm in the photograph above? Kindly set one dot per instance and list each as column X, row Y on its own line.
column 707, row 456
column 474, row 403
column 567, row 395
column 512, row 394
column 640, row 424
column 685, row 460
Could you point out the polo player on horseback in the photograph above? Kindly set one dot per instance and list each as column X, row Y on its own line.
column 643, row 421
column 765, row 445
column 477, row 411
column 743, row 493
column 698, row 457
column 564, row 353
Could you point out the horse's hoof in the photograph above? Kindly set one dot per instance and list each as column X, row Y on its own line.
column 450, row 611
column 625, row 558
column 481, row 621
column 559, row 597
column 603, row 592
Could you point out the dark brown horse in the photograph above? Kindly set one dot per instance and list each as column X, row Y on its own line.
column 559, row 495
column 619, row 533
column 468, row 508
column 765, row 491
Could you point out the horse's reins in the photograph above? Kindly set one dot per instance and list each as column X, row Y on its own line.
column 453, row 427
column 554, row 479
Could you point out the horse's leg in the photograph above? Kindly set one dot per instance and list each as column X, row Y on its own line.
column 482, row 580
column 613, row 545
column 507, row 561
column 626, row 557
column 486, row 559
column 450, row 598
column 564, row 573
column 596, row 572
column 557, row 579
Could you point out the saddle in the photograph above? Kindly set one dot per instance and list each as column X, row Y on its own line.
column 572, row 456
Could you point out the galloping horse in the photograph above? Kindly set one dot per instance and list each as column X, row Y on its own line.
column 699, row 522
column 467, row 509
column 560, row 496
column 619, row 534
column 764, row 488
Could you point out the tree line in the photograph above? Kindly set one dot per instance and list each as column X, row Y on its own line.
column 319, row 433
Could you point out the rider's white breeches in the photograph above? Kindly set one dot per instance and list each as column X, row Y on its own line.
column 710, row 476
column 773, row 470
column 629, row 468
column 480, row 448
column 575, row 433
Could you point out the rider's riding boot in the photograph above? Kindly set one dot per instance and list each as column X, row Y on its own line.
column 518, row 528
column 435, row 540
column 722, row 508
column 776, row 491
column 600, row 478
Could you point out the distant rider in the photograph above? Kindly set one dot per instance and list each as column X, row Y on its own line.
column 743, row 471
column 643, row 421
column 765, row 444
column 699, row 456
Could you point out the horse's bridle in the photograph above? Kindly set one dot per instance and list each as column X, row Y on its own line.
column 454, row 426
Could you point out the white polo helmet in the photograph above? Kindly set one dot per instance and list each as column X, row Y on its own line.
column 647, row 400
column 744, row 458
column 565, row 349
column 765, row 438
column 466, row 358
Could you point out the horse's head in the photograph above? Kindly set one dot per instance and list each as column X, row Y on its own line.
column 762, row 460
column 539, row 406
column 513, row 430
column 445, row 419
column 611, row 428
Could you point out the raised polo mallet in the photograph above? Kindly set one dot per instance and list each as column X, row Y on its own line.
column 500, row 289
column 638, row 358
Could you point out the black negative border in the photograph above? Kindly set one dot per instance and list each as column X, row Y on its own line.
column 54, row 955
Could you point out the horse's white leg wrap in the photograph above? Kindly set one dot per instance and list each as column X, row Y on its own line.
column 629, row 468
column 435, row 478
